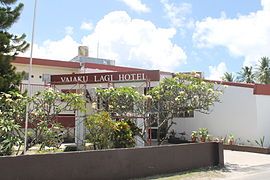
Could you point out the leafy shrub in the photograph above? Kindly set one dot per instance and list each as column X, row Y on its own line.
column 52, row 136
column 123, row 137
column 100, row 130
column 105, row 133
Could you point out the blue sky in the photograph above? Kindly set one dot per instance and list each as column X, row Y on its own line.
column 172, row 35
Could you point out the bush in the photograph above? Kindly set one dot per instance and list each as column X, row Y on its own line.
column 53, row 136
column 100, row 130
column 105, row 133
column 123, row 137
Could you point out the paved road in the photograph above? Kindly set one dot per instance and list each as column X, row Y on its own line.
column 238, row 166
column 246, row 166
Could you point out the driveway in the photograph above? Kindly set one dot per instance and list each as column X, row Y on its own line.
column 238, row 165
column 245, row 165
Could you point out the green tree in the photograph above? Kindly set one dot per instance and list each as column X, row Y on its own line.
column 9, row 13
column 246, row 75
column 45, row 106
column 263, row 71
column 9, row 79
column 173, row 95
column 125, row 104
column 182, row 93
column 12, row 114
column 229, row 77
column 123, row 101
column 10, row 45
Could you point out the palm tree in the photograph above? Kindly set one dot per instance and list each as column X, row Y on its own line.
column 263, row 71
column 229, row 77
column 246, row 75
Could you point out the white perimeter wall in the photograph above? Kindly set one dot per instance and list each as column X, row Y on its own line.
column 236, row 114
column 263, row 116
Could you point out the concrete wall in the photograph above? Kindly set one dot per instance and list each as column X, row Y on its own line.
column 236, row 114
column 263, row 116
column 112, row 164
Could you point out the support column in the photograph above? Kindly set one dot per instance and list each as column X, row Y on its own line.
column 79, row 129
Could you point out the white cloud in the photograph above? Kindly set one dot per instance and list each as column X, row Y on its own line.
column 64, row 49
column 216, row 72
column 69, row 30
column 246, row 35
column 135, row 42
column 136, row 5
column 131, row 42
column 87, row 26
column 177, row 13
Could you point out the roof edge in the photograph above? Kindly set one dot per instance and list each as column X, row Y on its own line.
column 70, row 64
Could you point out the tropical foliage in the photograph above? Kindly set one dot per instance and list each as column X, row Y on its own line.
column 123, row 136
column 12, row 115
column 123, row 101
column 246, row 75
column 106, row 133
column 125, row 104
column 100, row 130
column 263, row 71
column 229, row 77
column 182, row 93
column 10, row 45
column 260, row 75
column 43, row 110
column 9, row 79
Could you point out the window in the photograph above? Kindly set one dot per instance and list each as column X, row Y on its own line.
column 152, row 133
column 68, row 91
column 25, row 76
column 46, row 78
column 185, row 114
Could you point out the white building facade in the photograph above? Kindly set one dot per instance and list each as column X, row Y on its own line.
column 244, row 110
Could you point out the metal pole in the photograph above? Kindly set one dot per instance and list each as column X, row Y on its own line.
column 29, row 78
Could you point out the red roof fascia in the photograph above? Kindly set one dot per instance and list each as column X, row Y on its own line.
column 237, row 84
column 258, row 89
column 46, row 62
column 262, row 89
column 69, row 64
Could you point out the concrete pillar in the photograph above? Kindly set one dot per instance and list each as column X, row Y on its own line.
column 79, row 129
